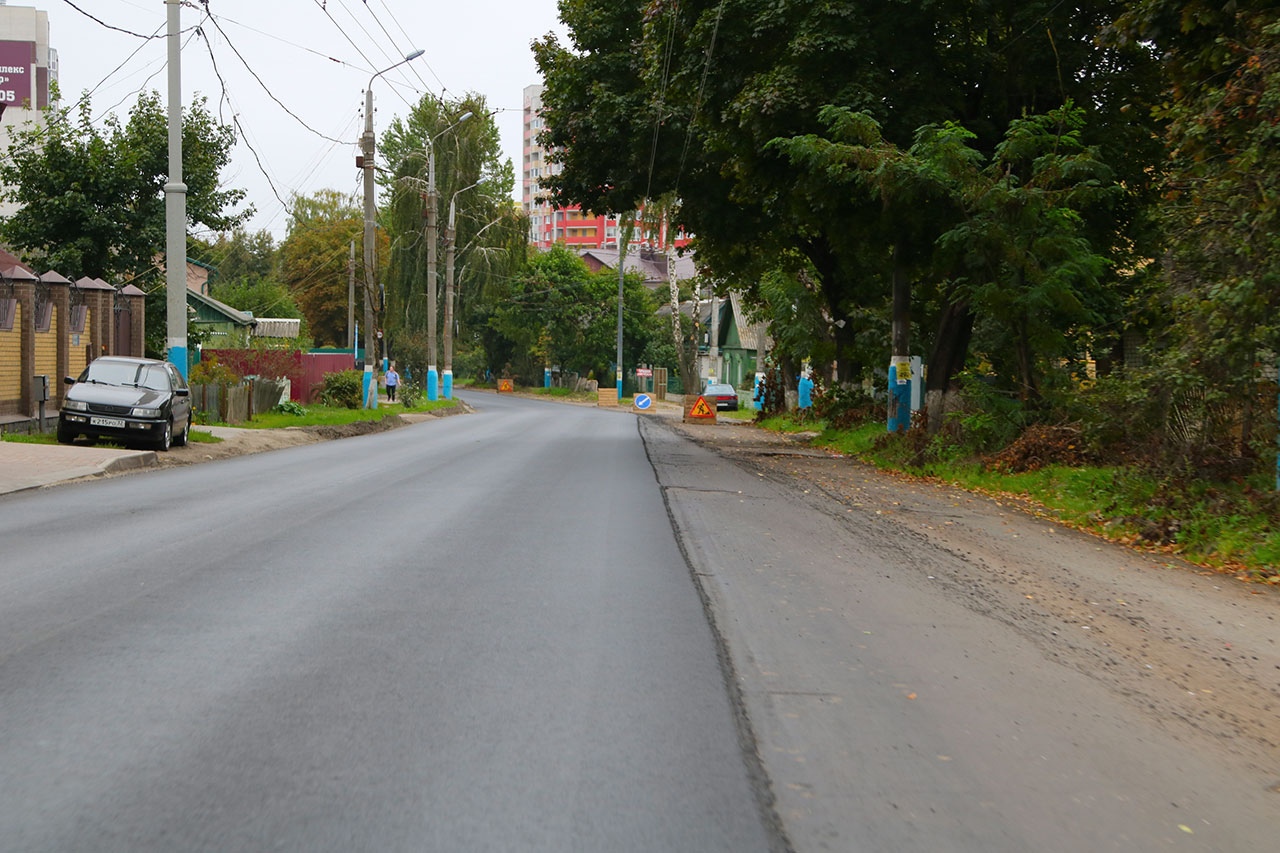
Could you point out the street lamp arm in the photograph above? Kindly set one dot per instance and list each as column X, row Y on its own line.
column 408, row 57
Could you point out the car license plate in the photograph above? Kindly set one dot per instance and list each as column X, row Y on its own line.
column 115, row 423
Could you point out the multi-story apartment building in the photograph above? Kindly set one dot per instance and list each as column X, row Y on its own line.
column 570, row 226
column 27, row 68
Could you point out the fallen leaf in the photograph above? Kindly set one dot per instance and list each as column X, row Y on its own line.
column 911, row 695
column 1186, row 829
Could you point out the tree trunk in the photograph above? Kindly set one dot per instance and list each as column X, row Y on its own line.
column 1029, row 392
column 950, row 350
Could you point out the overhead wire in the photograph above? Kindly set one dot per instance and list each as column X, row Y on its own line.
column 264, row 86
column 662, row 94
column 697, row 103
column 103, row 23
column 393, row 59
column 396, row 45
column 235, row 120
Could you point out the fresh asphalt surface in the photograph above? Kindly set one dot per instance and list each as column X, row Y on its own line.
column 472, row 634
column 480, row 633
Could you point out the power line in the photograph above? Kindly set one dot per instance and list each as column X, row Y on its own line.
column 697, row 104
column 392, row 39
column 264, row 86
column 103, row 23
column 275, row 37
column 235, row 120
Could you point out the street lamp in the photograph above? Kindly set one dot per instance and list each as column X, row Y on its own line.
column 370, row 213
column 449, row 235
column 433, row 379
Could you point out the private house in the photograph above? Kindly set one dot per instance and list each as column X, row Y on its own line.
column 52, row 327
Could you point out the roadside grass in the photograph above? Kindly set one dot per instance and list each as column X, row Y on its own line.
column 29, row 437
column 338, row 416
column 560, row 394
column 1231, row 527
column 196, row 436
column 741, row 414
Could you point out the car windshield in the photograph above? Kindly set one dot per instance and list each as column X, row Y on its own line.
column 127, row 373
column 719, row 389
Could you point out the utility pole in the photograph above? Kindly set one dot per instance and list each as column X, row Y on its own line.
column 433, row 379
column 900, row 377
column 621, row 277
column 175, row 206
column 351, row 298
column 369, row 387
column 449, row 237
column 715, row 336
column 366, row 163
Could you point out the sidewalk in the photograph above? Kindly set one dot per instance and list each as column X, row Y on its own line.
column 30, row 466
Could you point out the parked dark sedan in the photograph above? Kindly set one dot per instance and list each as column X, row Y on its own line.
column 131, row 400
column 724, row 396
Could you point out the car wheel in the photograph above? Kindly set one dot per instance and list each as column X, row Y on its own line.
column 65, row 435
column 180, row 440
column 166, row 437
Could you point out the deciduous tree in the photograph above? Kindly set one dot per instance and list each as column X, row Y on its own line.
column 92, row 191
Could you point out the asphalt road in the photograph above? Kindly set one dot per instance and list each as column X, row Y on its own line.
column 926, row 670
column 481, row 633
column 472, row 634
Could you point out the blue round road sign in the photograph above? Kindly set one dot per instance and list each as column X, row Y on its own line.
column 643, row 401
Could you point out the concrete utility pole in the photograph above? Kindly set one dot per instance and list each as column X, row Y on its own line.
column 433, row 377
column 715, row 336
column 622, row 268
column 450, row 238
column 370, row 388
column 351, row 298
column 175, row 206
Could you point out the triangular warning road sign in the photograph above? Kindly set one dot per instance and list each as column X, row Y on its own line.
column 701, row 409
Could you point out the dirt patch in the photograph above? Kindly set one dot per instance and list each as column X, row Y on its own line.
column 1191, row 648
column 240, row 442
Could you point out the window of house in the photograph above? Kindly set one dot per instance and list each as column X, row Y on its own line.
column 8, row 309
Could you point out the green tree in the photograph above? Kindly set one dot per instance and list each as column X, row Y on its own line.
column 92, row 193
column 469, row 171
column 687, row 98
column 314, row 258
column 239, row 255
column 559, row 312
column 1220, row 207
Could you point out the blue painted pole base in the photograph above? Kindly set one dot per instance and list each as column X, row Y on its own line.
column 447, row 390
column 899, row 402
column 433, row 384
column 368, row 389
column 178, row 358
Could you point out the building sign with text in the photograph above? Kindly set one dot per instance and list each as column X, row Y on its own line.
column 17, row 65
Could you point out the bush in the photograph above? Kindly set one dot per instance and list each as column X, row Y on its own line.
column 210, row 371
column 845, row 406
column 290, row 408
column 343, row 389
column 410, row 396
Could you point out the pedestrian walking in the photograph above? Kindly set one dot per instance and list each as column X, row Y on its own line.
column 393, row 381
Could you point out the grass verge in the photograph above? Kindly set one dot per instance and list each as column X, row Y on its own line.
column 1231, row 527
column 333, row 416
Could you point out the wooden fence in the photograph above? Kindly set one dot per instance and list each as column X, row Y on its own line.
column 235, row 404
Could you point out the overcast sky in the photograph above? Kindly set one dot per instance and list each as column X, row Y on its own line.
column 314, row 57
